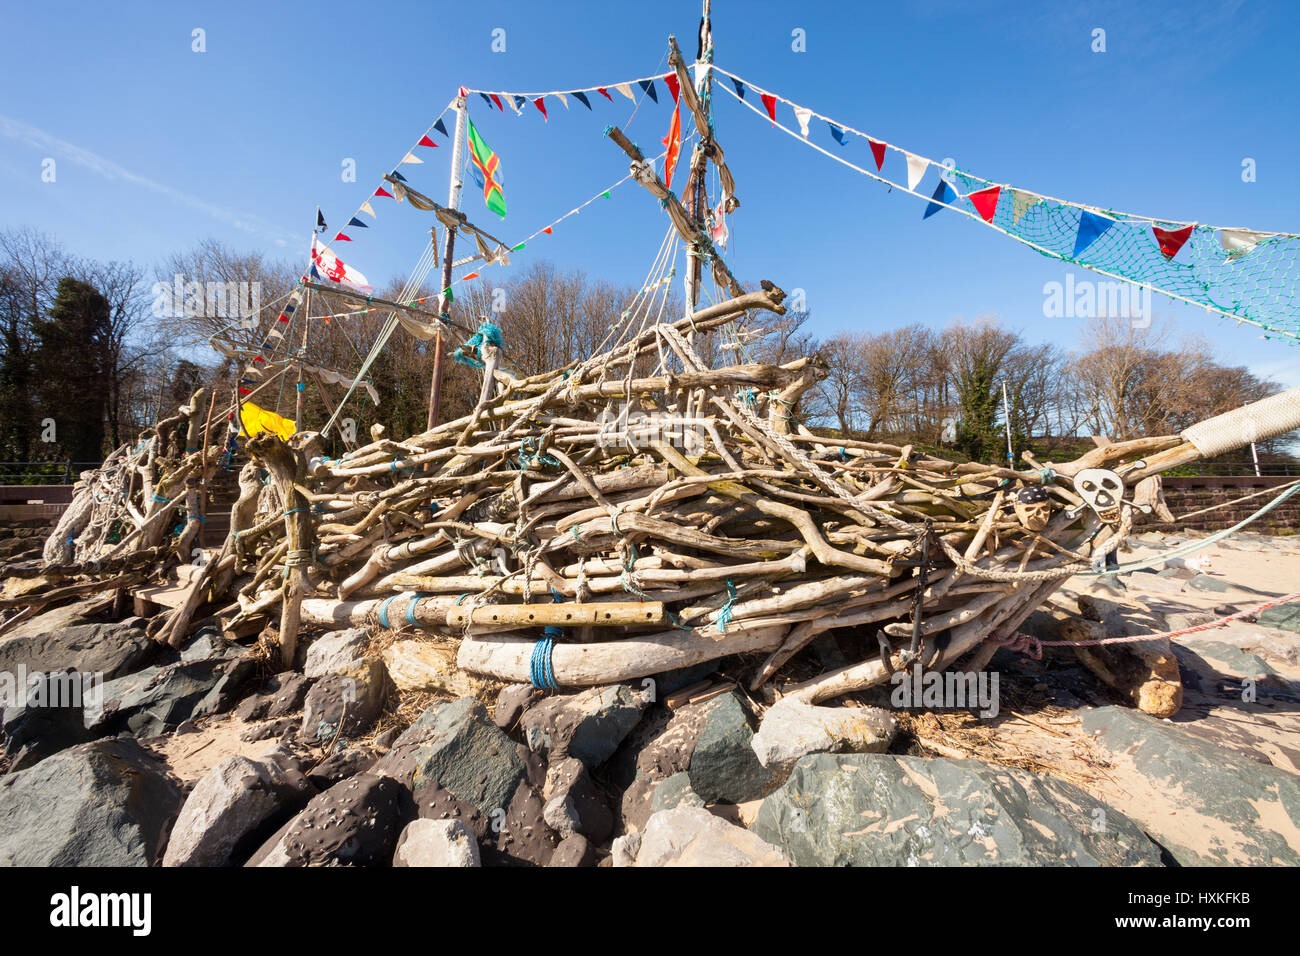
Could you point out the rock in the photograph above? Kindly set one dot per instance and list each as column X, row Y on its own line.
column 233, row 804
column 285, row 694
column 573, row 805
column 209, row 642
column 436, row 803
column 104, row 803
column 887, row 810
column 344, row 704
column 674, row 792
column 354, row 823
column 60, row 619
column 52, row 719
column 793, row 728
column 573, row 851
column 511, row 702
column 1146, row 672
column 108, row 650
column 1206, row 805
column 436, row 843
column 456, row 746
column 524, row 838
column 588, row 725
column 690, row 836
column 336, row 652
column 1285, row 617
column 276, row 728
column 155, row 700
column 341, row 765
column 723, row 766
column 1204, row 582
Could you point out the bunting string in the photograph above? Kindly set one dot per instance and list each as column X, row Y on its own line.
column 1244, row 275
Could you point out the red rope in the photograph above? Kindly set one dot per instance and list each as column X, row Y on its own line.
column 1032, row 647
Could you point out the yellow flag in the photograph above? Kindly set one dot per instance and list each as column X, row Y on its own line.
column 255, row 419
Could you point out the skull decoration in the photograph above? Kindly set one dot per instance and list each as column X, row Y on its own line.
column 1033, row 508
column 1102, row 490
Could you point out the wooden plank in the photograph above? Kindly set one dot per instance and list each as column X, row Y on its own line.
column 612, row 614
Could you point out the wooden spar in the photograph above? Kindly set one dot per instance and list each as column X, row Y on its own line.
column 385, row 305
column 563, row 615
column 301, row 386
column 449, row 245
column 681, row 219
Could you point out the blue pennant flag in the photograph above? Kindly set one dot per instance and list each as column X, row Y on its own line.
column 398, row 176
column 520, row 101
column 354, row 221
column 740, row 87
column 1091, row 226
column 314, row 273
column 581, row 98
column 837, row 133
column 649, row 87
column 439, row 127
column 488, row 100
column 943, row 193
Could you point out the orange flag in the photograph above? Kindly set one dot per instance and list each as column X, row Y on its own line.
column 674, row 143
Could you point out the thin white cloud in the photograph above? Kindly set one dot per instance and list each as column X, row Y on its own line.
column 61, row 149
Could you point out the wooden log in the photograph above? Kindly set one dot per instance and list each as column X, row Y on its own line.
column 609, row 614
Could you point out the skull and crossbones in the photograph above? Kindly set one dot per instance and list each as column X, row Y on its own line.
column 1102, row 490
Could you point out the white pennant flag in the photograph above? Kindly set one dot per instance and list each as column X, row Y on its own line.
column 1238, row 242
column 410, row 158
column 1021, row 203
column 563, row 99
column 803, row 115
column 513, row 105
column 916, row 167
column 626, row 91
column 366, row 206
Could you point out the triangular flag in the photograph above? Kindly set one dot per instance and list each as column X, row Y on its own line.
column 439, row 127
column 943, row 195
column 649, row 87
column 517, row 102
column 469, row 275
column 367, row 208
column 540, row 103
column 581, row 98
column 342, row 238
column 985, row 202
column 836, row 132
column 877, row 151
column 411, row 158
column 769, row 102
column 1021, row 203
column 605, row 93
column 626, row 90
column 547, row 230
column 320, row 220
column 1171, row 240
column 486, row 99
column 1091, row 225
column 803, row 115
column 670, row 81
column 497, row 100
column 354, row 221
column 399, row 177
column 381, row 191
column 1238, row 242
column 425, row 141
column 740, row 87
column 674, row 143
column 560, row 97
column 916, row 167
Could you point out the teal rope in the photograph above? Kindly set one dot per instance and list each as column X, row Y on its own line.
column 410, row 608
column 487, row 334
column 724, row 613
column 383, row 611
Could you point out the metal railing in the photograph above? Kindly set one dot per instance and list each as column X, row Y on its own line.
column 1238, row 469
column 43, row 472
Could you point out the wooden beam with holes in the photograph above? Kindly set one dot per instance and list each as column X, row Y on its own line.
column 614, row 614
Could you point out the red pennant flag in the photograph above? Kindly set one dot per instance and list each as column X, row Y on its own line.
column 673, row 86
column 425, row 141
column 468, row 276
column 341, row 237
column 1171, row 240
column 605, row 93
column 282, row 318
column 770, row 102
column 541, row 105
column 985, row 202
column 878, row 151
column 547, row 230
column 381, row 191
column 674, row 143
column 497, row 100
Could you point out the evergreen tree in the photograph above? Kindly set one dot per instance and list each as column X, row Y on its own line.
column 71, row 371
column 17, row 404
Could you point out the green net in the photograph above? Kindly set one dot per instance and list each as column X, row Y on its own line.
column 1256, row 282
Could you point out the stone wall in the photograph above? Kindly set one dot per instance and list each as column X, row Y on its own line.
column 1194, row 493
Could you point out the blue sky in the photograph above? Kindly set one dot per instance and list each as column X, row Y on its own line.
column 158, row 147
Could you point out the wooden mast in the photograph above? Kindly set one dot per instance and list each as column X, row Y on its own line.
column 449, row 245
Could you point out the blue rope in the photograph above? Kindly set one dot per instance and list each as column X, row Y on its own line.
column 1045, row 475
column 293, row 511
column 383, row 611
column 724, row 613
column 488, row 334
column 541, row 670
column 410, row 608
column 159, row 499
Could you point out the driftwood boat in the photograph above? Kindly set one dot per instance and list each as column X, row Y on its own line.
column 636, row 511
